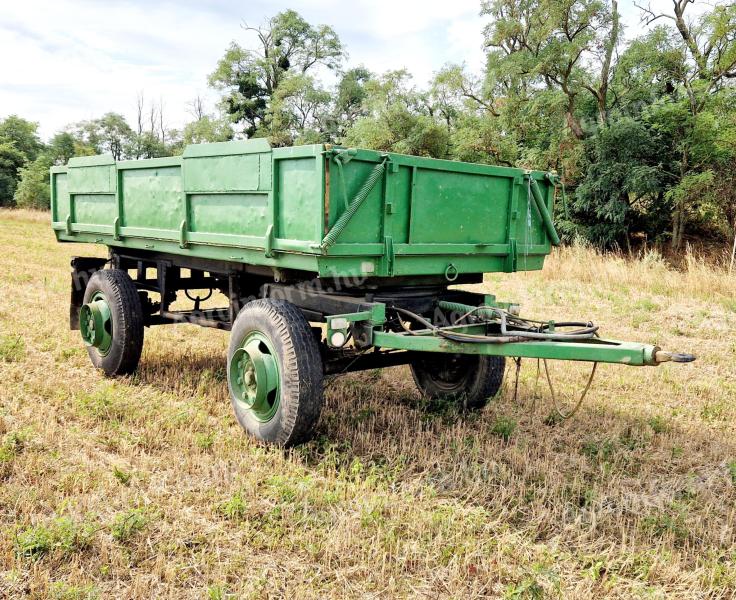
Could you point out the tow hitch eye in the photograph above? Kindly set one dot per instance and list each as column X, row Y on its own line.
column 679, row 357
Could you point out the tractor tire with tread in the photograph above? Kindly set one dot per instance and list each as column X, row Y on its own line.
column 470, row 379
column 300, row 372
column 126, row 322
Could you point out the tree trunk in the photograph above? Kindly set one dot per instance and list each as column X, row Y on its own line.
column 678, row 217
column 573, row 123
column 677, row 226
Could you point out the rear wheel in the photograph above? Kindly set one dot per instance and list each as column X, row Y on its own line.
column 274, row 373
column 470, row 379
column 111, row 322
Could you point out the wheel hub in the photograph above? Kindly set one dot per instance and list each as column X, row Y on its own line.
column 95, row 323
column 254, row 376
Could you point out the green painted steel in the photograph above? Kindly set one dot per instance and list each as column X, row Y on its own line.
column 254, row 376
column 330, row 211
column 95, row 323
column 595, row 350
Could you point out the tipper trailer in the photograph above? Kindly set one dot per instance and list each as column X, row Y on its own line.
column 332, row 260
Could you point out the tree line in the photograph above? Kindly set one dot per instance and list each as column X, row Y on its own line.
column 642, row 130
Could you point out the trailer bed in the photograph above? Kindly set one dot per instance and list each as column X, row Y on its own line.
column 284, row 208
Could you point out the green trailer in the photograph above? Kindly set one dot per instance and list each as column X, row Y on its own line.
column 330, row 259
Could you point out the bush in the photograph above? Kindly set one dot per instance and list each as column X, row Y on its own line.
column 33, row 189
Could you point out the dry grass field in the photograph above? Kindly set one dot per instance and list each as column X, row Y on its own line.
column 146, row 487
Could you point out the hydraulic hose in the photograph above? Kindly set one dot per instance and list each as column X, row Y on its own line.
column 527, row 329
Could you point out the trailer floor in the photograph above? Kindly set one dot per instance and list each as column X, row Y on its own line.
column 146, row 487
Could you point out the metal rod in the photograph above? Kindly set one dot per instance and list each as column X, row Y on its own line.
column 546, row 217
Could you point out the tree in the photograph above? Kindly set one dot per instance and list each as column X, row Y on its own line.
column 297, row 113
column 708, row 47
column 624, row 182
column 286, row 44
column 11, row 161
column 33, row 188
column 62, row 147
column 19, row 144
column 549, row 43
column 207, row 129
column 398, row 119
column 110, row 133
column 349, row 102
column 23, row 134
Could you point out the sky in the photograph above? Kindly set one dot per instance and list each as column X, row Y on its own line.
column 67, row 61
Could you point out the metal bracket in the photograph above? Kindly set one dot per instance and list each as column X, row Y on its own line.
column 183, row 243
column 512, row 257
column 269, row 242
column 389, row 254
column 338, row 325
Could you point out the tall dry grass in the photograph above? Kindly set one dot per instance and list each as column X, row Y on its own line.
column 698, row 276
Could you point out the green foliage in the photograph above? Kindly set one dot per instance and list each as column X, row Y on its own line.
column 63, row 591
column 643, row 131
column 732, row 471
column 122, row 476
column 235, row 508
column 623, row 184
column 287, row 46
column 12, row 444
column 62, row 147
column 207, row 129
column 297, row 110
column 11, row 161
column 658, row 424
column 127, row 525
column 528, row 589
column 108, row 134
column 398, row 120
column 62, row 535
column 504, row 428
column 23, row 134
column 12, row 348
column 33, row 189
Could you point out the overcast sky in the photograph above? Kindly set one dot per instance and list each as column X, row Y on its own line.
column 65, row 61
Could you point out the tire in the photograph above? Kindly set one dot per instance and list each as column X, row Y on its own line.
column 468, row 378
column 125, row 324
column 275, row 333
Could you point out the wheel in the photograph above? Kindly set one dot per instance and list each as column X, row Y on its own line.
column 274, row 373
column 470, row 378
column 111, row 322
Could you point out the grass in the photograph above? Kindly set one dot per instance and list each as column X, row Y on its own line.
column 146, row 487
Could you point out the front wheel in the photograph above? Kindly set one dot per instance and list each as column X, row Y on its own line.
column 470, row 379
column 274, row 373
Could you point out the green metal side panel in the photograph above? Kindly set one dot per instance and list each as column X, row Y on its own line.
column 245, row 202
column 459, row 208
column 152, row 198
column 60, row 196
column 299, row 214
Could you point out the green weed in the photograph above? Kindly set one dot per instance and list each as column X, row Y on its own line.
column 504, row 428
column 12, row 348
column 127, row 525
column 60, row 535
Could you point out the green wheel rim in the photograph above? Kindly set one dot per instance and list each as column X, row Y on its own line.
column 95, row 323
column 254, row 376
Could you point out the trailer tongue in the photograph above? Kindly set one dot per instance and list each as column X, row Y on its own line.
column 330, row 260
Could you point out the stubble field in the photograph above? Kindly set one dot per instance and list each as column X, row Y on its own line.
column 146, row 487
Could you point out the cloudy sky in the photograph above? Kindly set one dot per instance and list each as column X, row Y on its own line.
column 66, row 61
